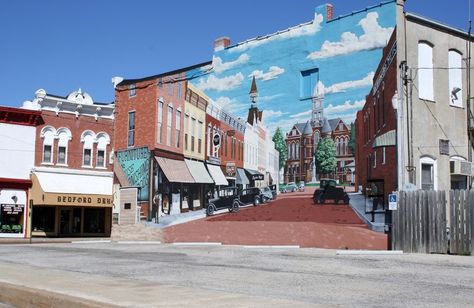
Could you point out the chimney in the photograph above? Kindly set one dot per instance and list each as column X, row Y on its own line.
column 326, row 10
column 221, row 43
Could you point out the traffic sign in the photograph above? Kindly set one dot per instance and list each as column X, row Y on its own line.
column 392, row 202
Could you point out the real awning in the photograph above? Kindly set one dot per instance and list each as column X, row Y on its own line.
column 241, row 177
column 67, row 183
column 254, row 175
column 385, row 140
column 198, row 171
column 175, row 171
column 217, row 175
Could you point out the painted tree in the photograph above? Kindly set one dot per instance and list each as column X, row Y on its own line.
column 352, row 140
column 280, row 146
column 326, row 155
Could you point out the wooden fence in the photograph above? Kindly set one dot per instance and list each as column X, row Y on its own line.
column 421, row 225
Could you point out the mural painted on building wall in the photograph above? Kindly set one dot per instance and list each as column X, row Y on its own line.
column 136, row 165
column 340, row 55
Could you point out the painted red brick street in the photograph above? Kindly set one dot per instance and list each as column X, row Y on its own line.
column 292, row 219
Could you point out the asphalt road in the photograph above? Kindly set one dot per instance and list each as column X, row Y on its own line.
column 297, row 276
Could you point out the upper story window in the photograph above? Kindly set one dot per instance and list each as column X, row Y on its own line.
column 131, row 128
column 308, row 81
column 170, row 86
column 47, row 133
column 87, row 139
column 160, row 83
column 132, row 91
column 425, row 71
column 455, row 78
column 178, row 127
column 178, row 89
column 169, row 120
column 160, row 121
column 102, row 141
column 64, row 135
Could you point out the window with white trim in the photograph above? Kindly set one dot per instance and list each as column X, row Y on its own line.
column 169, row 121
column 48, row 144
column 132, row 90
column 63, row 140
column 455, row 78
column 425, row 71
column 159, row 125
column 102, row 142
column 428, row 173
column 131, row 128
column 178, row 127
column 87, row 147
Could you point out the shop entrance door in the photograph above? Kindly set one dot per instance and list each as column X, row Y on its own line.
column 70, row 221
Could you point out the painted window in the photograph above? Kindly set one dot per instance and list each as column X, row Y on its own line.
column 178, row 89
column 425, row 71
column 200, row 129
column 88, row 140
column 186, row 131
column 178, row 127
column 455, row 78
column 131, row 128
column 170, row 86
column 159, row 125
column 308, row 81
column 209, row 137
column 132, row 90
column 383, row 156
column 193, row 133
column 169, row 125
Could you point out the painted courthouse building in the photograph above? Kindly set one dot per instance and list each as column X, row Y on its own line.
column 17, row 158
column 72, row 176
column 338, row 55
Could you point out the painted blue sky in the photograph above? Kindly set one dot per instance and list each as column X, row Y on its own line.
column 64, row 45
column 345, row 52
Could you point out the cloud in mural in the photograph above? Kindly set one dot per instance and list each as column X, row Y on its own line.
column 346, row 85
column 221, row 84
column 301, row 114
column 219, row 66
column 229, row 104
column 301, row 30
column 374, row 37
column 331, row 111
column 269, row 98
column 273, row 72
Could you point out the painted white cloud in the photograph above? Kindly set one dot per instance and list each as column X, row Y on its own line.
column 301, row 30
column 220, row 84
column 343, row 86
column 273, row 72
column 219, row 66
column 269, row 98
column 332, row 110
column 301, row 114
column 374, row 37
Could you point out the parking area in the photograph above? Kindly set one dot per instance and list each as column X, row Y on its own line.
column 292, row 219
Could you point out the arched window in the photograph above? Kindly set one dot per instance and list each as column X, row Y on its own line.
column 429, row 173
column 102, row 141
column 64, row 135
column 87, row 139
column 425, row 71
column 455, row 78
column 338, row 147
column 48, row 133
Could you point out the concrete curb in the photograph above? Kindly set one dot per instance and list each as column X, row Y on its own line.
column 270, row 246
column 368, row 252
column 139, row 242
column 196, row 244
column 21, row 296
column 91, row 242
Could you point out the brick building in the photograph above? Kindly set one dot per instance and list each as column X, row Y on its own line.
column 17, row 155
column 72, row 178
column 376, row 125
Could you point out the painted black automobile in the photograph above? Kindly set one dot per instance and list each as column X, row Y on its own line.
column 251, row 196
column 328, row 192
column 273, row 189
column 226, row 198
column 267, row 194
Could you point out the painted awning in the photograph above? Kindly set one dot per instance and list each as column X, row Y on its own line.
column 175, row 171
column 242, row 177
column 254, row 175
column 217, row 175
column 198, row 171
column 386, row 140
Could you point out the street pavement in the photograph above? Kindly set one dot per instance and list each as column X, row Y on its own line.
column 162, row 275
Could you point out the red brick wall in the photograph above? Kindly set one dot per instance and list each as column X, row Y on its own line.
column 75, row 146
column 144, row 103
column 367, row 130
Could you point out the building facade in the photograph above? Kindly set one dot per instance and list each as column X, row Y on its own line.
column 72, row 179
column 17, row 158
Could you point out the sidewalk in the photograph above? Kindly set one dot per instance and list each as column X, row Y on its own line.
column 359, row 204
column 170, row 220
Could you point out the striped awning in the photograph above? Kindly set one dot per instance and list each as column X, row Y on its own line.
column 386, row 140
column 175, row 171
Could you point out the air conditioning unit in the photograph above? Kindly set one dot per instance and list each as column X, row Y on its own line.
column 461, row 167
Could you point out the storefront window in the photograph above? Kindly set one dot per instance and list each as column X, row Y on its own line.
column 94, row 220
column 11, row 218
column 43, row 219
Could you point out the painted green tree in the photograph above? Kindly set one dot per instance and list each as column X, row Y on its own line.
column 352, row 138
column 326, row 156
column 280, row 146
